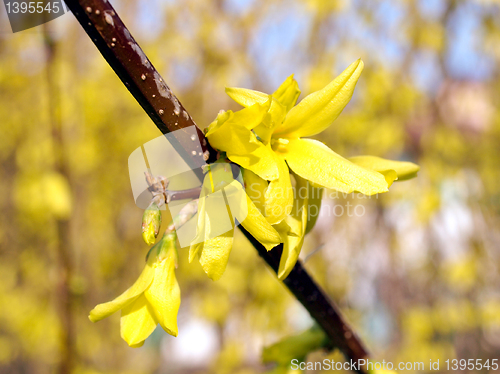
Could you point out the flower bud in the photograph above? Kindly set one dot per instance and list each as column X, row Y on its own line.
column 151, row 222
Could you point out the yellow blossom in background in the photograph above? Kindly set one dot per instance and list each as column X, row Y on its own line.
column 382, row 371
column 154, row 298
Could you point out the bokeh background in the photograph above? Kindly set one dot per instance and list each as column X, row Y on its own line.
column 417, row 274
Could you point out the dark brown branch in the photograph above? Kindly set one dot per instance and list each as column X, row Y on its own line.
column 320, row 307
column 124, row 55
column 130, row 63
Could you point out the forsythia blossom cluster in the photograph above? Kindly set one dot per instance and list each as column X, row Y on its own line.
column 268, row 140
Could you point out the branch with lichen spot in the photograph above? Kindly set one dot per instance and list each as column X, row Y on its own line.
column 130, row 63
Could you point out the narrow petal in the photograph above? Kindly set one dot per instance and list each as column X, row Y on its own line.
column 214, row 243
column 318, row 110
column 290, row 255
column 259, row 227
column 288, row 93
column 213, row 219
column 102, row 311
column 249, row 216
column 317, row 163
column 404, row 170
column 279, row 195
column 277, row 111
column 164, row 294
column 297, row 221
column 255, row 188
column 137, row 322
column 243, row 148
column 215, row 255
column 199, row 238
column 195, row 251
column 248, row 117
column 283, row 230
column 246, row 97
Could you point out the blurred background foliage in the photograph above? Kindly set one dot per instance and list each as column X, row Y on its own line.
column 415, row 270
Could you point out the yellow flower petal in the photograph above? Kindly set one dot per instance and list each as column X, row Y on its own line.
column 259, row 227
column 102, row 311
column 255, row 188
column 218, row 176
column 248, row 118
column 404, row 170
column 215, row 254
column 249, row 216
column 197, row 242
column 389, row 175
column 243, row 148
column 273, row 119
column 279, row 195
column 213, row 250
column 138, row 345
column 290, row 255
column 318, row 110
column 277, row 111
column 137, row 322
column 288, row 93
column 195, row 250
column 297, row 221
column 246, row 97
column 164, row 294
column 283, row 230
column 314, row 161
column 213, row 218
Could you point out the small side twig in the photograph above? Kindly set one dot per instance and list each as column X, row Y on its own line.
column 158, row 186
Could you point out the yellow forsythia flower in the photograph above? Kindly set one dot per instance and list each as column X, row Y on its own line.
column 154, row 298
column 221, row 196
column 267, row 139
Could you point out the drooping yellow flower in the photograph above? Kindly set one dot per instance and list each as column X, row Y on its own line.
column 222, row 200
column 154, row 298
column 266, row 138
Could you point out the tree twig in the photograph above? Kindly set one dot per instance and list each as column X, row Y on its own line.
column 123, row 54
